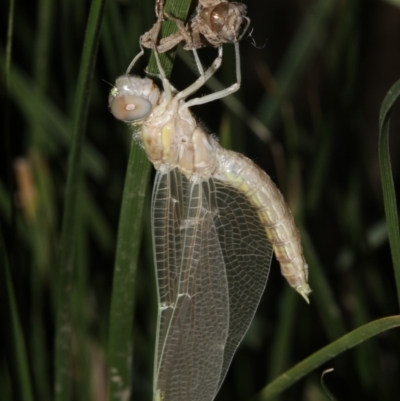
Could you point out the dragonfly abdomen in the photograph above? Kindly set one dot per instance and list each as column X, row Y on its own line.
column 242, row 174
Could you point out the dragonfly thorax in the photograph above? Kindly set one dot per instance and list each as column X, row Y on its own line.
column 172, row 138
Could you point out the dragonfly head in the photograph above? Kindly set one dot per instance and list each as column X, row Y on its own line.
column 133, row 98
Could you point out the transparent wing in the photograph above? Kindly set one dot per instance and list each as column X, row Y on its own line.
column 193, row 292
column 212, row 256
column 247, row 255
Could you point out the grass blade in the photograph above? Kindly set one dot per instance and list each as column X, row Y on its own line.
column 41, row 63
column 329, row 310
column 122, row 302
column 325, row 354
column 7, row 133
column 283, row 337
column 67, row 247
column 21, row 357
column 389, row 194
column 52, row 120
column 306, row 42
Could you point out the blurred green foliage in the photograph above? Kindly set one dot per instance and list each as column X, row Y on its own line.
column 307, row 113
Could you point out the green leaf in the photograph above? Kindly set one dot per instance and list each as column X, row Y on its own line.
column 67, row 262
column 6, row 137
column 389, row 194
column 322, row 295
column 35, row 106
column 325, row 354
column 126, row 261
column 304, row 45
column 21, row 356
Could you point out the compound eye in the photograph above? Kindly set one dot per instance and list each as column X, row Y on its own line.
column 130, row 108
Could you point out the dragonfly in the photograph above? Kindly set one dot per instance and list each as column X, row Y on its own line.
column 216, row 219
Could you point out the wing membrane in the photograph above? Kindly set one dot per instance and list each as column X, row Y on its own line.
column 193, row 291
column 247, row 255
column 212, row 256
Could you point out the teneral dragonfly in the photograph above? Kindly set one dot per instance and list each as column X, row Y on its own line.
column 216, row 219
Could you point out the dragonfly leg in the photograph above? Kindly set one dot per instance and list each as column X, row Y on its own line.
column 203, row 78
column 136, row 58
column 224, row 92
column 198, row 62
column 166, row 84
